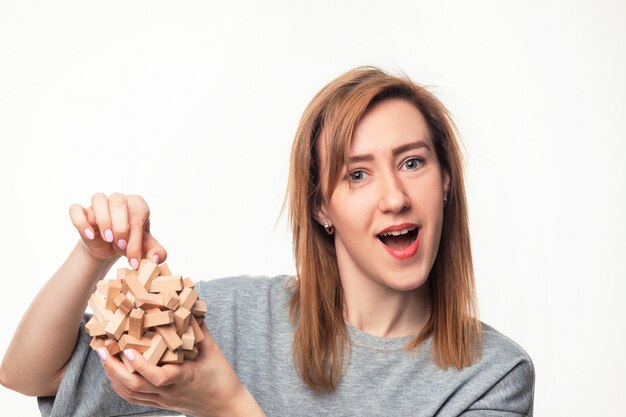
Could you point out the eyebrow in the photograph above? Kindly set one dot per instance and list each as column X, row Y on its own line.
column 395, row 151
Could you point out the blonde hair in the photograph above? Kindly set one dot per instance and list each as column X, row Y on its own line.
column 316, row 307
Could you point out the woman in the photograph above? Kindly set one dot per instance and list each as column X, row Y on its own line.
column 380, row 320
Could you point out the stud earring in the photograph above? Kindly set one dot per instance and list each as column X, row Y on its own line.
column 445, row 199
column 329, row 228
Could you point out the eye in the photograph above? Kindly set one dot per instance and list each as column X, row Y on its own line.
column 357, row 175
column 412, row 164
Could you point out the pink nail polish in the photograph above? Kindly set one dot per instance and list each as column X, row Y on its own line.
column 102, row 352
column 108, row 235
column 155, row 258
column 89, row 233
column 122, row 244
column 129, row 354
column 134, row 263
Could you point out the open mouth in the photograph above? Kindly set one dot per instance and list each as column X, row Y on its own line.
column 400, row 239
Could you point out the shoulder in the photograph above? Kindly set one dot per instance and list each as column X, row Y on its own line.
column 507, row 374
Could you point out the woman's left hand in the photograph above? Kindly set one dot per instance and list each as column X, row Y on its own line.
column 206, row 386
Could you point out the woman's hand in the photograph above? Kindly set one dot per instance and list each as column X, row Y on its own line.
column 118, row 225
column 207, row 386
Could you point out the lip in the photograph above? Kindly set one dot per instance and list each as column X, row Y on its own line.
column 410, row 250
column 397, row 227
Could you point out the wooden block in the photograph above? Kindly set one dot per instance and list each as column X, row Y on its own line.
column 113, row 289
column 134, row 285
column 130, row 296
column 101, row 287
column 149, row 300
column 116, row 325
column 122, row 272
column 199, row 308
column 158, row 319
column 128, row 365
column 190, row 354
column 96, row 342
column 197, row 331
column 135, row 323
column 156, row 350
column 169, row 282
column 164, row 269
column 170, row 336
column 98, row 306
column 129, row 342
column 148, row 271
column 188, row 339
column 181, row 319
column 112, row 347
column 170, row 299
column 95, row 327
column 188, row 297
column 188, row 283
column 123, row 302
column 171, row 356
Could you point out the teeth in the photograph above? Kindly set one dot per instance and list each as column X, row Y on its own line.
column 398, row 232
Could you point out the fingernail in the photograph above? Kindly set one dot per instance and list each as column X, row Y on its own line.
column 129, row 354
column 102, row 352
column 108, row 235
column 89, row 233
column 122, row 244
column 155, row 258
column 134, row 263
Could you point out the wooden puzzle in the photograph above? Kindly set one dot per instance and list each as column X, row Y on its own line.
column 150, row 310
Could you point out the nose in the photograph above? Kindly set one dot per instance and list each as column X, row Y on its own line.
column 393, row 195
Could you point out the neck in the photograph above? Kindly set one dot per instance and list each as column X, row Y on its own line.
column 385, row 312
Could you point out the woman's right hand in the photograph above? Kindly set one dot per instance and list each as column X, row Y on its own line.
column 118, row 225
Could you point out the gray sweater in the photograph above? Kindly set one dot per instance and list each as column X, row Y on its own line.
column 248, row 317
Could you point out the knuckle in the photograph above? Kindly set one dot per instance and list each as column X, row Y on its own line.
column 117, row 202
column 134, row 385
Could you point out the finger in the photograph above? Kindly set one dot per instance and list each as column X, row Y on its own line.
column 153, row 249
column 116, row 371
column 100, row 205
column 78, row 215
column 138, row 214
column 158, row 376
column 119, row 219
column 139, row 398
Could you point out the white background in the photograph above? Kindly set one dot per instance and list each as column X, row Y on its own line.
column 194, row 105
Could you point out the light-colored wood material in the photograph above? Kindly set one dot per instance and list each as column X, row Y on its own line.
column 134, row 285
column 199, row 308
column 116, row 325
column 158, row 319
column 129, row 342
column 156, row 350
column 188, row 297
column 135, row 323
column 167, row 282
column 123, row 302
column 188, row 339
column 148, row 271
column 113, row 289
column 181, row 319
column 170, row 336
column 197, row 331
column 172, row 356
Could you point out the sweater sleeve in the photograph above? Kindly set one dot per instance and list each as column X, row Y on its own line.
column 85, row 389
column 510, row 396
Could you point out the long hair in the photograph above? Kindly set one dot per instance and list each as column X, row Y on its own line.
column 316, row 306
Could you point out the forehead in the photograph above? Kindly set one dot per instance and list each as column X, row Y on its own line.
column 388, row 124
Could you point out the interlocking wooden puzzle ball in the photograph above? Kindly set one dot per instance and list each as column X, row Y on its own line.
column 150, row 310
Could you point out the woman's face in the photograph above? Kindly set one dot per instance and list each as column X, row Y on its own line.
column 387, row 208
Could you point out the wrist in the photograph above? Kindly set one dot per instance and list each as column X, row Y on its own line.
column 91, row 264
column 242, row 403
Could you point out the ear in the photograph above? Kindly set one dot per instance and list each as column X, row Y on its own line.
column 446, row 182
column 320, row 214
